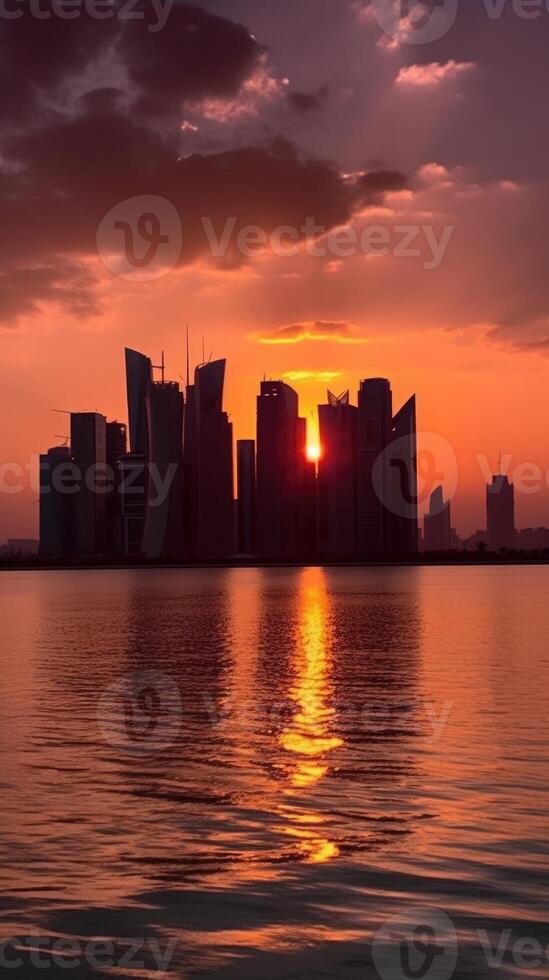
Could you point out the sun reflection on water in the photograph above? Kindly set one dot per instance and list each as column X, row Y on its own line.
column 309, row 739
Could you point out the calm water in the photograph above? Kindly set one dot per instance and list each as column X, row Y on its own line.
column 251, row 771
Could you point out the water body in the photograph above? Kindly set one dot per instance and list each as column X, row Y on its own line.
column 254, row 773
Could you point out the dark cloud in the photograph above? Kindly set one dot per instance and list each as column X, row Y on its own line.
column 307, row 102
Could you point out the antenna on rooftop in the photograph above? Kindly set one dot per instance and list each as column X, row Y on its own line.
column 161, row 367
column 188, row 368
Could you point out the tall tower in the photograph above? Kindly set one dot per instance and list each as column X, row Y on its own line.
column 337, row 478
column 56, row 505
column 163, row 531
column 375, row 424
column 245, row 455
column 282, row 473
column 401, row 481
column 89, row 452
column 138, row 378
column 208, row 466
column 500, row 513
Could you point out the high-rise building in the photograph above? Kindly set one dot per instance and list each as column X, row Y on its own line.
column 500, row 513
column 245, row 455
column 208, row 466
column 132, row 498
column 283, row 474
column 138, row 378
column 116, row 450
column 163, row 531
column 337, row 478
column 437, row 535
column 56, row 503
column 89, row 452
column 375, row 425
column 401, row 482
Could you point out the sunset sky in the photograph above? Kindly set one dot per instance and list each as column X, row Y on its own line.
column 273, row 113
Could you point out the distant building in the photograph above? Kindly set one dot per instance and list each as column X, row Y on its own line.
column 500, row 513
column 57, row 506
column 337, row 478
column 285, row 480
column 532, row 539
column 375, row 425
column 20, row 547
column 437, row 534
column 245, row 454
column 163, row 530
column 89, row 452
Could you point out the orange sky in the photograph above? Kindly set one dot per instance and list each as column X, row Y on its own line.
column 271, row 119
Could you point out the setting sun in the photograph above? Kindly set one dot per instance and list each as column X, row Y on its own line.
column 313, row 453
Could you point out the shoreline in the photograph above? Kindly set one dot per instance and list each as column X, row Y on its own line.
column 39, row 565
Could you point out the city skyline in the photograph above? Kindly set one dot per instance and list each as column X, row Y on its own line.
column 364, row 489
column 369, row 134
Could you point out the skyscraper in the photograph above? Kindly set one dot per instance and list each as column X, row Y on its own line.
column 401, row 481
column 500, row 513
column 438, row 523
column 208, row 466
column 56, row 504
column 116, row 450
column 138, row 378
column 89, row 452
column 283, row 473
column 163, row 531
column 245, row 454
column 375, row 424
column 337, row 478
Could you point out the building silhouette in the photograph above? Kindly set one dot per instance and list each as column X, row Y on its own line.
column 401, row 481
column 116, row 450
column 208, row 466
column 375, row 426
column 245, row 456
column 337, row 478
column 437, row 524
column 139, row 375
column 57, row 525
column 163, row 530
column 89, row 453
column 500, row 513
column 285, row 480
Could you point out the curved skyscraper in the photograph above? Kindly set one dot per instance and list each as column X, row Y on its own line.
column 138, row 379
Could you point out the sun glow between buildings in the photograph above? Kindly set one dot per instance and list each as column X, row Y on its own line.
column 314, row 453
